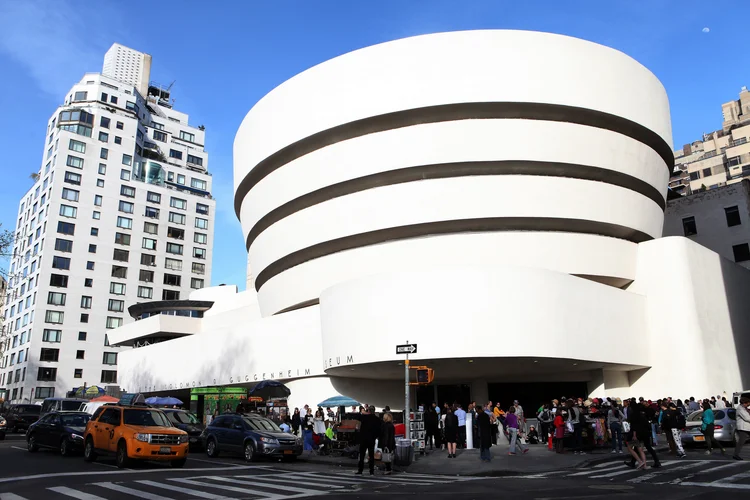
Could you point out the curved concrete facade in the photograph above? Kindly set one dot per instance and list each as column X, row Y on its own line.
column 467, row 191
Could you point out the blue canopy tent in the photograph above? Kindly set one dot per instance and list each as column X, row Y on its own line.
column 338, row 401
column 163, row 401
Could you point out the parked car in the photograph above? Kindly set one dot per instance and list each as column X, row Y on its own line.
column 60, row 430
column 20, row 417
column 736, row 397
column 250, row 436
column 183, row 419
column 62, row 404
column 134, row 433
column 3, row 426
column 724, row 426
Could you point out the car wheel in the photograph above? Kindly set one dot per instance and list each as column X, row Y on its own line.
column 212, row 450
column 122, row 455
column 31, row 443
column 89, row 453
column 178, row 464
column 249, row 451
column 65, row 447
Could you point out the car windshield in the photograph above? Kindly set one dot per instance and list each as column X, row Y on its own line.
column 71, row 405
column 695, row 417
column 35, row 409
column 182, row 417
column 262, row 424
column 78, row 420
column 148, row 418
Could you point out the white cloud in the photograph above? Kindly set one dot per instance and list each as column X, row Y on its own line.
column 54, row 41
column 706, row 29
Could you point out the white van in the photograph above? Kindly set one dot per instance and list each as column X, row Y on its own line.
column 736, row 397
column 61, row 404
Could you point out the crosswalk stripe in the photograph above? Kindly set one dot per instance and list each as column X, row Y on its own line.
column 131, row 491
column 391, row 479
column 594, row 471
column 662, row 471
column 731, row 479
column 348, row 481
column 187, row 491
column 294, row 479
column 11, row 496
column 720, row 467
column 265, row 483
column 74, row 493
column 718, row 485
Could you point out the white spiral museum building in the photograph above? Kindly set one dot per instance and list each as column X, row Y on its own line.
column 496, row 197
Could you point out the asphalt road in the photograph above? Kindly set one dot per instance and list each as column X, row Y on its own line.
column 46, row 475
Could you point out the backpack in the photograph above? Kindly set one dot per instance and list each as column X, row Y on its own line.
column 545, row 416
column 680, row 419
column 581, row 416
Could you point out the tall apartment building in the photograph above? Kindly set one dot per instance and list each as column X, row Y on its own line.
column 128, row 66
column 120, row 213
column 722, row 157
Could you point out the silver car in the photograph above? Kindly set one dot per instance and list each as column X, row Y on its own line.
column 724, row 426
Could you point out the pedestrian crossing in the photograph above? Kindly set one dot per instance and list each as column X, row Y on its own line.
column 700, row 473
column 265, row 485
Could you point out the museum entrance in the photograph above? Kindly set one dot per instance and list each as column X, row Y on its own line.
column 531, row 395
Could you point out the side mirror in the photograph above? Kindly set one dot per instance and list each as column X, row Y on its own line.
column 238, row 427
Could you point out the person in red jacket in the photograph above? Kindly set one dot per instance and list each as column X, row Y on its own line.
column 559, row 425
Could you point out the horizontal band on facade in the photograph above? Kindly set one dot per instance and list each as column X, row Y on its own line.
column 452, row 170
column 301, row 305
column 453, row 112
column 538, row 224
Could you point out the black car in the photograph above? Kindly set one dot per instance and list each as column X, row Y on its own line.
column 60, row 430
column 250, row 436
column 3, row 426
column 20, row 417
column 186, row 421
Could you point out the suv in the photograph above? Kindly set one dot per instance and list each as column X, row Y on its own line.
column 62, row 404
column 20, row 417
column 251, row 436
column 183, row 419
column 134, row 433
column 61, row 430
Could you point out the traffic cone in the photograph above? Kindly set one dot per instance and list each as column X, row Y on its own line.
column 549, row 442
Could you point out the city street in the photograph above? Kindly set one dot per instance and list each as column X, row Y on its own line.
column 47, row 475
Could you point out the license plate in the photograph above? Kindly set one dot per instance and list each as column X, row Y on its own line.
column 288, row 452
column 166, row 450
column 699, row 438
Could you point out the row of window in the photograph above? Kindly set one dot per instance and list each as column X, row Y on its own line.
column 53, row 355
column 145, row 292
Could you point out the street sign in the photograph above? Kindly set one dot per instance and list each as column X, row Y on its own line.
column 406, row 349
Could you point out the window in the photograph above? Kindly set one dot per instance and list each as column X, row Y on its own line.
column 121, row 255
column 694, row 176
column 70, row 194
column 104, row 97
column 176, row 218
column 96, row 215
column 63, row 245
column 113, row 322
column 119, row 272
column 49, row 354
column 177, row 203
column 78, row 373
column 74, row 161
column 201, row 223
column 109, row 377
column 56, row 298
column 174, row 248
column 706, row 172
column 46, row 375
column 170, row 295
column 127, row 159
column 734, row 161
column 51, row 335
column 88, row 282
column 84, row 318
column 104, row 137
column 94, row 231
column 149, row 244
column 66, row 228
column 157, row 126
column 104, row 121
column 688, row 226
column 150, row 228
column 119, row 125
column 145, row 292
column 199, row 253
column 104, row 153
column 153, row 197
column 54, row 317
column 126, row 207
column 60, row 262
column 151, row 212
column 160, row 136
column 180, row 179
column 196, row 283
column 102, row 169
column 200, row 238
column 90, row 265
column 68, row 211
column 58, row 280
column 77, row 146
column 100, row 183
column 92, row 248
column 118, row 139
column 198, row 184
column 173, row 264
column 117, row 288
column 77, row 128
column 124, row 222
column 73, row 178
column 186, row 136
column 86, row 302
column 173, row 232
column 741, row 252
column 175, row 154
column 195, row 160
column 122, row 239
column 199, row 268
column 115, row 305
column 80, row 96
column 124, row 175
column 147, row 276
column 733, row 216
column 82, row 335
column 127, row 191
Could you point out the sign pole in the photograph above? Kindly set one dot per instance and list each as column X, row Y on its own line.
column 407, row 431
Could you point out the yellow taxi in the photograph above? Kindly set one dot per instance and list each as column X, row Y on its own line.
column 134, row 432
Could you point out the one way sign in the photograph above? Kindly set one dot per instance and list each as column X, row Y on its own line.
column 406, row 349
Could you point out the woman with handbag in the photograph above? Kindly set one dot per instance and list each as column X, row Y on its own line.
column 387, row 442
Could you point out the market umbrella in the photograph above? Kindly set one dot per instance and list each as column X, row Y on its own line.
column 271, row 389
column 105, row 399
column 166, row 401
column 338, row 401
column 89, row 391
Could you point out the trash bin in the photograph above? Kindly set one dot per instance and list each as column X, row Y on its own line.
column 404, row 452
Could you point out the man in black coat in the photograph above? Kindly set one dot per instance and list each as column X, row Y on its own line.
column 368, row 433
column 485, row 436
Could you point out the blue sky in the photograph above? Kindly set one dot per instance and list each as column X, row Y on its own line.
column 226, row 54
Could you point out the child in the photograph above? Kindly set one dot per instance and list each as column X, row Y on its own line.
column 559, row 424
column 533, row 436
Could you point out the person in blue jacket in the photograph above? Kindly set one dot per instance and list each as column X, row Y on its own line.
column 707, row 428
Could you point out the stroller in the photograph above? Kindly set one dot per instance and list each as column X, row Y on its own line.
column 322, row 444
